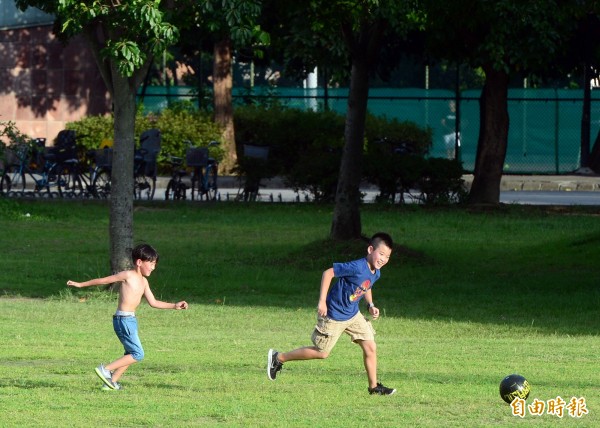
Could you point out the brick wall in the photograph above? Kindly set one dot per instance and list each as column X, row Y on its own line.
column 44, row 84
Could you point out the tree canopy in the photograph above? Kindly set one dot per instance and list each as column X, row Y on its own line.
column 502, row 38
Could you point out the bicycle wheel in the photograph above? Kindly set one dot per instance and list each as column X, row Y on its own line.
column 101, row 184
column 211, row 183
column 153, row 188
column 144, row 188
column 16, row 182
column 69, row 184
column 4, row 184
column 170, row 191
column 176, row 190
column 195, row 187
column 48, row 184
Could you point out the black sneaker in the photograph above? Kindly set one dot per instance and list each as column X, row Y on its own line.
column 381, row 390
column 273, row 364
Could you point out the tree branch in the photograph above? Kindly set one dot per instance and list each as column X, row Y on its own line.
column 90, row 33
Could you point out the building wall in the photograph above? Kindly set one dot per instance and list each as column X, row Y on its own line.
column 12, row 17
column 44, row 83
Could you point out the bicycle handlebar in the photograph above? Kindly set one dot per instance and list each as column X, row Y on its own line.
column 211, row 144
column 175, row 160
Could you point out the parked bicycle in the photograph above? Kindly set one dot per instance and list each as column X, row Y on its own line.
column 204, row 172
column 252, row 167
column 144, row 169
column 3, row 173
column 36, row 163
column 145, row 161
column 89, row 179
column 100, row 176
column 176, row 188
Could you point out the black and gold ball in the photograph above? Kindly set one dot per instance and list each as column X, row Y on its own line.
column 514, row 386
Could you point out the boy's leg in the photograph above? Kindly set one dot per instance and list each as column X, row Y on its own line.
column 363, row 334
column 324, row 338
column 119, row 366
column 370, row 359
column 304, row 353
column 124, row 361
column 127, row 331
column 276, row 359
column 118, row 373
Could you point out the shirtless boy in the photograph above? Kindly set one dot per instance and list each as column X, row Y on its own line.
column 134, row 286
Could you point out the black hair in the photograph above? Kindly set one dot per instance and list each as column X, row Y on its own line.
column 145, row 253
column 380, row 237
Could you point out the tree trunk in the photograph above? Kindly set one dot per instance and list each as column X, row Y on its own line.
column 222, row 84
column 346, row 215
column 595, row 155
column 121, row 198
column 584, row 151
column 493, row 139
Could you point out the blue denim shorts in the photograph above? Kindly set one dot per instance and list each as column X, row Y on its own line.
column 126, row 329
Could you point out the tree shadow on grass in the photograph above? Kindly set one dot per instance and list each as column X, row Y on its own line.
column 541, row 287
column 26, row 383
column 546, row 288
column 323, row 253
column 549, row 287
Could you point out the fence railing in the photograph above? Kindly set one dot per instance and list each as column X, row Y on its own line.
column 545, row 124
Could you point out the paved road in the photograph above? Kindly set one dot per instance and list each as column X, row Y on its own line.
column 550, row 198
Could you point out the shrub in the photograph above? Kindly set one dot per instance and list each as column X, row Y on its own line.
column 395, row 156
column 180, row 125
column 401, row 137
column 304, row 146
column 13, row 143
column 177, row 125
column 93, row 131
column 393, row 173
column 316, row 171
column 441, row 182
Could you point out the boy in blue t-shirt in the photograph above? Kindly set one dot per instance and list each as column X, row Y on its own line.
column 338, row 312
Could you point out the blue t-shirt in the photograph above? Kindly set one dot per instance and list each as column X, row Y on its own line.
column 354, row 279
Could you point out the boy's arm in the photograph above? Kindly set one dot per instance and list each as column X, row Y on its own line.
column 158, row 304
column 369, row 301
column 119, row 277
column 326, row 279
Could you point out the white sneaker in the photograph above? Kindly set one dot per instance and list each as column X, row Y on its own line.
column 117, row 386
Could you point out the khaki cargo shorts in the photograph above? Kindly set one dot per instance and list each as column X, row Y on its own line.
column 328, row 331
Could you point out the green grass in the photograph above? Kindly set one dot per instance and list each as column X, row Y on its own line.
column 467, row 298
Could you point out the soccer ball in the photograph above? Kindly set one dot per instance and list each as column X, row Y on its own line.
column 513, row 386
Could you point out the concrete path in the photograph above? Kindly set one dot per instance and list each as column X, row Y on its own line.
column 516, row 189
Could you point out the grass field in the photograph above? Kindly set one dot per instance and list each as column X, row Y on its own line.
column 467, row 298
